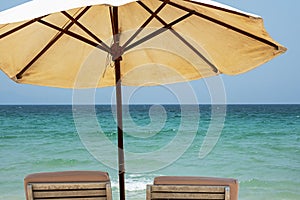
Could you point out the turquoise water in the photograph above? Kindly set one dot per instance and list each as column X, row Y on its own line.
column 259, row 145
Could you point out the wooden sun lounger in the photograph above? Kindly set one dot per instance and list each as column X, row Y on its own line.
column 68, row 185
column 184, row 187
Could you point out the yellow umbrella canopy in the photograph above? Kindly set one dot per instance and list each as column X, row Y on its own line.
column 99, row 43
column 160, row 42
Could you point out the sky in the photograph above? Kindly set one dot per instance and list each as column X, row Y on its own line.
column 276, row 82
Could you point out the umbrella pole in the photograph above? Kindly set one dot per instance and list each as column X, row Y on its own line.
column 120, row 130
column 117, row 53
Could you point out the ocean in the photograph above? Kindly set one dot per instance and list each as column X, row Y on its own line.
column 257, row 144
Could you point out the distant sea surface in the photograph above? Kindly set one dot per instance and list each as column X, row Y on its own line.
column 258, row 144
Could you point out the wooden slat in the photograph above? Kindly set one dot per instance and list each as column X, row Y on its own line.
column 67, row 186
column 81, row 198
column 69, row 193
column 186, row 196
column 188, row 188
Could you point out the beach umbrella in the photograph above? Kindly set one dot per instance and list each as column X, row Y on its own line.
column 46, row 42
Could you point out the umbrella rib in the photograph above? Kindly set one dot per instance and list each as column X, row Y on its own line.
column 214, row 68
column 75, row 35
column 19, row 27
column 226, row 25
column 86, row 30
column 114, row 29
column 159, row 31
column 153, row 14
column 19, row 75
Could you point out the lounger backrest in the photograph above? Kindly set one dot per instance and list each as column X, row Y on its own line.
column 200, row 188
column 187, row 192
column 68, row 186
column 91, row 191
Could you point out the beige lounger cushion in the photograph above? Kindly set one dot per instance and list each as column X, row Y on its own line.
column 67, row 176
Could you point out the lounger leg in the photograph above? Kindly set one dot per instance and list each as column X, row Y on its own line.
column 29, row 194
column 148, row 192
